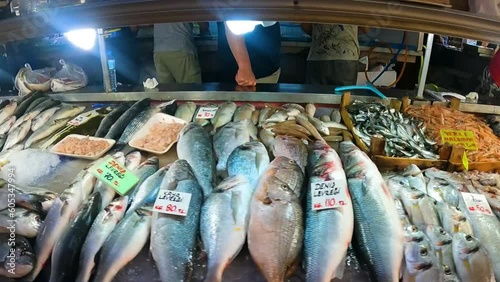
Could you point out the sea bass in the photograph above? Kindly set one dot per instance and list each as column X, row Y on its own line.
column 8, row 111
column 46, row 130
column 441, row 245
column 276, row 210
column 250, row 160
column 195, row 146
column 224, row 223
column 43, row 117
column 292, row 148
column 20, row 221
column 66, row 252
column 107, row 193
column 146, row 193
column 102, row 227
column 143, row 171
column 39, row 200
column 17, row 135
column 380, row 239
column 6, row 125
column 123, row 121
column 328, row 232
column 173, row 239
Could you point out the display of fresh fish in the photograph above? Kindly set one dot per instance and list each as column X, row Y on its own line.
column 471, row 259
column 415, row 178
column 267, row 137
column 172, row 240
column 133, row 160
column 20, row 221
column 7, row 125
column 36, row 103
column 419, row 207
column 292, row 148
column 7, row 111
column 224, row 223
column 413, row 234
column 278, row 116
column 443, row 192
column 16, row 256
column 23, row 105
column 255, row 117
column 310, row 110
column 447, row 275
column 250, row 160
column 186, row 111
column 43, row 117
column 288, row 171
column 46, row 130
column 264, row 114
column 5, row 102
column 441, row 245
column 17, row 135
column 124, row 120
column 107, row 193
column 203, row 121
column 244, row 112
column 275, row 229
column 335, row 116
column 294, row 106
column 380, row 239
column 59, row 216
column 123, row 244
column 403, row 217
column 66, row 252
column 67, row 111
column 147, row 191
column 31, row 114
column 328, row 232
column 320, row 126
column 195, row 146
column 102, row 227
column 111, row 118
column 37, row 200
column 335, row 125
column 228, row 138
column 224, row 115
column 303, row 120
column 453, row 220
column 420, row 264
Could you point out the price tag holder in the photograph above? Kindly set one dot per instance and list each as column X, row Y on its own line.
column 477, row 203
column 465, row 161
column 78, row 120
column 172, row 202
column 206, row 112
column 115, row 175
column 463, row 138
column 328, row 195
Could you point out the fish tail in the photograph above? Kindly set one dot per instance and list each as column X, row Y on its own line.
column 84, row 275
column 214, row 275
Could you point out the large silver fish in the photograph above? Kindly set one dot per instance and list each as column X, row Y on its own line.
column 195, row 146
column 17, row 135
column 173, row 238
column 244, row 112
column 102, row 227
column 380, row 239
column 224, row 223
column 471, row 259
column 20, row 221
column 16, row 256
column 7, row 111
column 441, row 245
column 224, row 115
column 292, row 148
column 420, row 208
column 288, row 171
column 124, row 244
column 46, row 130
column 250, row 160
column 146, row 193
column 420, row 264
column 37, row 199
column 43, row 117
column 143, row 171
column 328, row 232
column 453, row 220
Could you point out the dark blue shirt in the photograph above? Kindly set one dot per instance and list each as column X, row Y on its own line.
column 263, row 46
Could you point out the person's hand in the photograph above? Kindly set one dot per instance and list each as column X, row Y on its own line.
column 246, row 88
column 245, row 77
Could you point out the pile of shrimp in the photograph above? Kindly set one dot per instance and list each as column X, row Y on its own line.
column 82, row 147
column 160, row 136
column 441, row 118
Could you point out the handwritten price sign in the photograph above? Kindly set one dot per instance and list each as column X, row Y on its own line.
column 477, row 203
column 115, row 175
column 463, row 138
column 328, row 195
column 78, row 120
column 172, row 202
column 206, row 112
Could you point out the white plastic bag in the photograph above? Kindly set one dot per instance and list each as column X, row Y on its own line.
column 70, row 77
column 28, row 80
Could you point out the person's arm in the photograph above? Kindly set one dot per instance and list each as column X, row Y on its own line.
column 245, row 75
column 307, row 28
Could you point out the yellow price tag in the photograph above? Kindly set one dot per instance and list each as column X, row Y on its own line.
column 463, row 138
column 465, row 161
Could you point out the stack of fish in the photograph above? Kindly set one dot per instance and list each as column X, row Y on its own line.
column 442, row 237
column 404, row 136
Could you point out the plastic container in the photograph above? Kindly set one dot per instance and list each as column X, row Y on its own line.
column 112, row 71
column 156, row 118
column 111, row 142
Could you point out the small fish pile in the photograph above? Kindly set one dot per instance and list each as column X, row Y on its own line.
column 439, row 118
column 404, row 136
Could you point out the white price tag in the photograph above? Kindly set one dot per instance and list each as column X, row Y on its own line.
column 477, row 203
column 78, row 120
column 206, row 112
column 172, row 202
column 328, row 195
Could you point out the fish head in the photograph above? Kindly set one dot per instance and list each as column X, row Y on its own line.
column 180, row 170
column 279, row 191
column 133, row 160
column 119, row 157
column 30, row 218
column 282, row 162
column 466, row 245
column 232, row 182
column 438, row 236
column 447, row 274
column 418, row 257
column 24, row 259
column 189, row 127
column 117, row 207
column 411, row 233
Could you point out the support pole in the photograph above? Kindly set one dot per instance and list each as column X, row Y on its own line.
column 425, row 67
column 104, row 60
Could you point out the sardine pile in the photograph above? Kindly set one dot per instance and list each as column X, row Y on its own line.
column 404, row 136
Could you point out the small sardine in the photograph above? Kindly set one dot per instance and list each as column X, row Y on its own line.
column 320, row 126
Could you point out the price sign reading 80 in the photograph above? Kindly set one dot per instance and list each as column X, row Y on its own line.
column 328, row 195
column 172, row 202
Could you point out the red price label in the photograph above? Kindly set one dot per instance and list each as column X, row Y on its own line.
column 477, row 203
column 329, row 194
column 172, row 202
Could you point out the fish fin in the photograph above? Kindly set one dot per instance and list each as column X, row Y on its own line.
column 339, row 272
column 291, row 270
column 236, row 204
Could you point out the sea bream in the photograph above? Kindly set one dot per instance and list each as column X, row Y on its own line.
column 292, row 148
column 250, row 160
column 379, row 240
column 328, row 232
column 420, row 264
column 288, row 171
column 186, row 111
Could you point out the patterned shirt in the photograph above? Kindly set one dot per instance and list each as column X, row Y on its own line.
column 334, row 42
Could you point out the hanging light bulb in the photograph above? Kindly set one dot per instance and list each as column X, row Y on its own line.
column 82, row 38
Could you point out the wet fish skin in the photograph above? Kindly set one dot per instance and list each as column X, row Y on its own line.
column 23, row 105
column 288, row 171
column 264, row 114
column 453, row 220
column 441, row 243
column 267, row 137
column 310, row 110
column 102, row 227
column 37, row 200
column 66, row 252
column 415, row 178
column 255, row 117
column 292, row 148
column 133, row 160
column 67, row 111
column 196, row 147
column 335, row 115
column 420, row 264
column 46, row 130
column 380, row 240
column 43, row 117
column 186, row 111
column 147, row 190
column 6, row 125
column 328, row 232
column 325, row 118
column 172, row 240
column 294, row 106
column 320, row 126
column 121, row 123
column 8, row 111
column 447, row 275
column 18, row 135
column 27, row 223
column 224, row 115
column 250, row 159
column 36, row 103
column 470, row 258
column 303, row 120
column 276, row 209
column 23, row 260
column 278, row 116
column 123, row 244
column 244, row 112
column 145, row 170
column 111, row 118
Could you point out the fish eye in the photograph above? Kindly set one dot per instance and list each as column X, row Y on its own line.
column 447, row 270
column 414, row 228
column 284, row 186
column 468, row 238
column 423, row 252
column 442, row 231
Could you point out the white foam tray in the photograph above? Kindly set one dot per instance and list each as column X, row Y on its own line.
column 111, row 142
